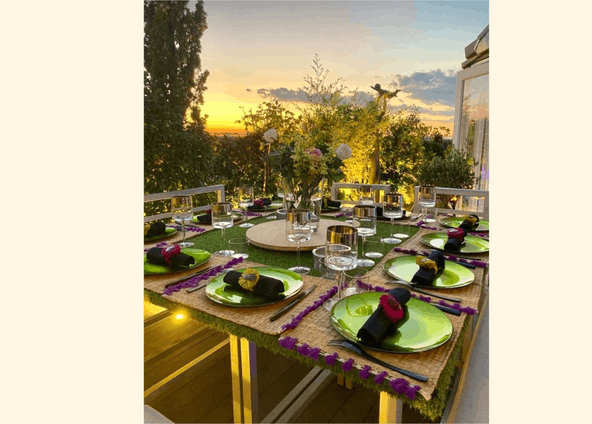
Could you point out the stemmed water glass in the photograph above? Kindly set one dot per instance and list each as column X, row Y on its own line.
column 427, row 199
column 392, row 207
column 222, row 218
column 366, row 195
column 364, row 220
column 182, row 209
column 341, row 254
column 245, row 199
column 298, row 230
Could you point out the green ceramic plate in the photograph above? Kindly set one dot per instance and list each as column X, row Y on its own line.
column 424, row 327
column 167, row 233
column 222, row 293
column 455, row 221
column 453, row 276
column 472, row 244
column 234, row 216
column 201, row 257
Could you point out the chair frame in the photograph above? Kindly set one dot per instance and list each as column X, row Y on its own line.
column 336, row 186
column 218, row 188
column 458, row 192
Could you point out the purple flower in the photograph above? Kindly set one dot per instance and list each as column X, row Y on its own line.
column 315, row 153
column 365, row 372
column 330, row 359
column 380, row 378
column 288, row 342
column 302, row 349
column 398, row 385
column 468, row 310
column 348, row 365
column 313, row 353
column 411, row 391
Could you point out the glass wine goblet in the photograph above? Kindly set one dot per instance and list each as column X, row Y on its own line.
column 298, row 230
column 341, row 254
column 366, row 195
column 222, row 218
column 245, row 199
column 364, row 220
column 182, row 209
column 427, row 199
column 392, row 207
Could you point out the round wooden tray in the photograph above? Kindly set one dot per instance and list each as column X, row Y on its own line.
column 272, row 235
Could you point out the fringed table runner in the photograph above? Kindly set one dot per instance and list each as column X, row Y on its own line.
column 255, row 318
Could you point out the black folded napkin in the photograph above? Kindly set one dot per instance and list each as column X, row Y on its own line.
column 328, row 203
column 266, row 286
column 453, row 244
column 260, row 204
column 156, row 228
column 468, row 224
column 379, row 325
column 206, row 218
column 181, row 259
column 424, row 276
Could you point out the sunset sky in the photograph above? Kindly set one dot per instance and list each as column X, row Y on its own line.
column 254, row 47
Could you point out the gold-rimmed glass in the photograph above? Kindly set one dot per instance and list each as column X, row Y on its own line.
column 341, row 254
column 366, row 195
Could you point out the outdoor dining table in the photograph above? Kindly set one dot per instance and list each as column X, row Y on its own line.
column 304, row 333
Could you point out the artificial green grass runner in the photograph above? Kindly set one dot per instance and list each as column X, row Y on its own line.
column 212, row 242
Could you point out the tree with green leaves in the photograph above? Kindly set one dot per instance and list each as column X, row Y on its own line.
column 176, row 145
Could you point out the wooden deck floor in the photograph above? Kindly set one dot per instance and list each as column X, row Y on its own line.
column 171, row 342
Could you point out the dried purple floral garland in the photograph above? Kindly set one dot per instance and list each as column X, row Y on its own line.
column 399, row 385
column 189, row 228
column 194, row 282
column 340, row 214
column 248, row 213
column 466, row 309
column 453, row 258
column 298, row 318
column 402, row 386
column 365, row 372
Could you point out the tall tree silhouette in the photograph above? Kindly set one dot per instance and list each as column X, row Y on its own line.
column 174, row 136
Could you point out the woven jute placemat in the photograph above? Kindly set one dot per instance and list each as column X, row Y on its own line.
column 256, row 318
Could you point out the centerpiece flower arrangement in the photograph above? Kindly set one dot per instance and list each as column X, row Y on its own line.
column 304, row 162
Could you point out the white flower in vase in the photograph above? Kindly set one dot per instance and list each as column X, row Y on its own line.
column 343, row 152
column 270, row 135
